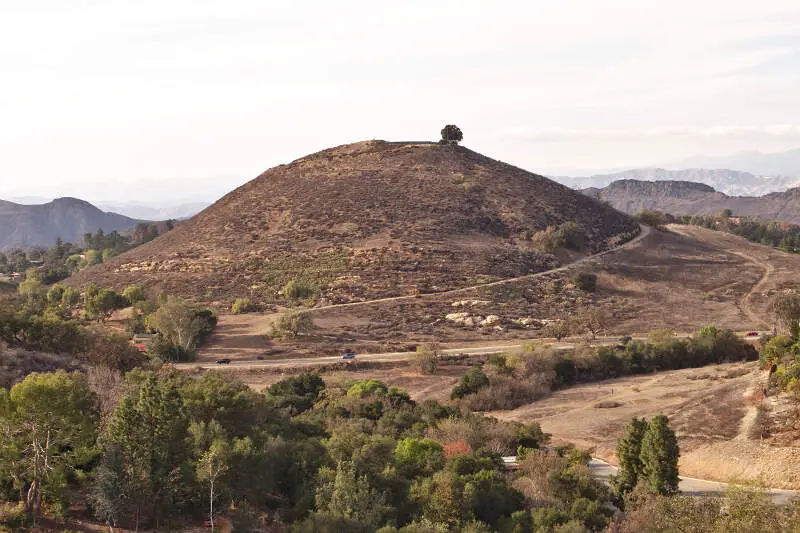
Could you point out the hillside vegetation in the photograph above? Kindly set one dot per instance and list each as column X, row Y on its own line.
column 368, row 220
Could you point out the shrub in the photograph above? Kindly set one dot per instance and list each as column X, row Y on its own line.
column 293, row 324
column 473, row 381
column 427, row 358
column 241, row 305
column 585, row 281
column 133, row 294
column 655, row 219
column 296, row 290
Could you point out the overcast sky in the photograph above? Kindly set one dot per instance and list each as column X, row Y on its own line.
column 218, row 91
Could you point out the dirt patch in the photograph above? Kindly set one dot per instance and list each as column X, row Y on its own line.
column 706, row 407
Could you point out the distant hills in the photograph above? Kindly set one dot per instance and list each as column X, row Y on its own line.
column 362, row 221
column 688, row 198
column 772, row 164
column 731, row 182
column 40, row 225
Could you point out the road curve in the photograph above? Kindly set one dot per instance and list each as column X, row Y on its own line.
column 690, row 486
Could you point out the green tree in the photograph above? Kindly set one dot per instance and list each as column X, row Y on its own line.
column 629, row 449
column 210, row 466
column 150, row 429
column 133, row 294
column 418, row 457
column 70, row 298
column 178, row 323
column 93, row 257
column 351, row 496
column 451, row 134
column 659, row 456
column 471, row 382
column 52, row 419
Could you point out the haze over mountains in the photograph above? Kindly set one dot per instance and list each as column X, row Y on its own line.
column 689, row 198
column 40, row 225
column 741, row 174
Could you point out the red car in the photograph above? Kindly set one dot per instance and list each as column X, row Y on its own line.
column 752, row 334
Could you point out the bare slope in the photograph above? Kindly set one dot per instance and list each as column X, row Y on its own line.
column 688, row 198
column 39, row 225
column 362, row 221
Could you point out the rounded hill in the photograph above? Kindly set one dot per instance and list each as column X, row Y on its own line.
column 368, row 220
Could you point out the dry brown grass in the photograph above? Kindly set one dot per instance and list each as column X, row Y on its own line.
column 364, row 221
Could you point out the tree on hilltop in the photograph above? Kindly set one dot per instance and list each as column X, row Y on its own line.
column 451, row 134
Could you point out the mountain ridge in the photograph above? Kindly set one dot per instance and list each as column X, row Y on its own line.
column 690, row 198
column 39, row 225
column 730, row 182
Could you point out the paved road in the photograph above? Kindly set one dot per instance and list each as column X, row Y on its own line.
column 692, row 486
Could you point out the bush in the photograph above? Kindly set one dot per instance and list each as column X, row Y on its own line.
column 427, row 358
column 293, row 324
column 296, row 290
column 585, row 281
column 241, row 305
column 473, row 381
column 133, row 294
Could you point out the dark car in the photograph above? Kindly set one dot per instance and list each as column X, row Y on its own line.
column 626, row 339
column 349, row 355
column 225, row 361
column 752, row 334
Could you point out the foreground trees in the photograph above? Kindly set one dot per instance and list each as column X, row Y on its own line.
column 648, row 453
column 48, row 425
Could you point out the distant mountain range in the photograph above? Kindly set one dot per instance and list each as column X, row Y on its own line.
column 688, row 198
column 155, row 212
column 39, row 225
column 731, row 182
column 773, row 164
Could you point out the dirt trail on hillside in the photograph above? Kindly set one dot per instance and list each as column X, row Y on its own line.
column 240, row 337
column 745, row 301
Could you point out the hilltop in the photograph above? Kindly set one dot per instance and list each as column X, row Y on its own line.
column 26, row 226
column 687, row 198
column 362, row 221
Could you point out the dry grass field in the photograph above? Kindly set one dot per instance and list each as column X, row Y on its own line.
column 682, row 279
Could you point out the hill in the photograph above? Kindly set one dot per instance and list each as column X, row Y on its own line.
column 23, row 226
column 362, row 221
column 732, row 182
column 686, row 198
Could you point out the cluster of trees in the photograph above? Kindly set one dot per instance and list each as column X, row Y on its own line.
column 63, row 259
column 770, row 233
column 358, row 456
column 164, row 449
column 50, row 320
column 647, row 453
column 508, row 381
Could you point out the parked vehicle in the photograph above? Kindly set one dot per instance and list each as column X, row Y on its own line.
column 224, row 361
column 626, row 339
column 752, row 334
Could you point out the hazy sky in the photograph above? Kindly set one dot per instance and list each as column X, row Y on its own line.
column 118, row 91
